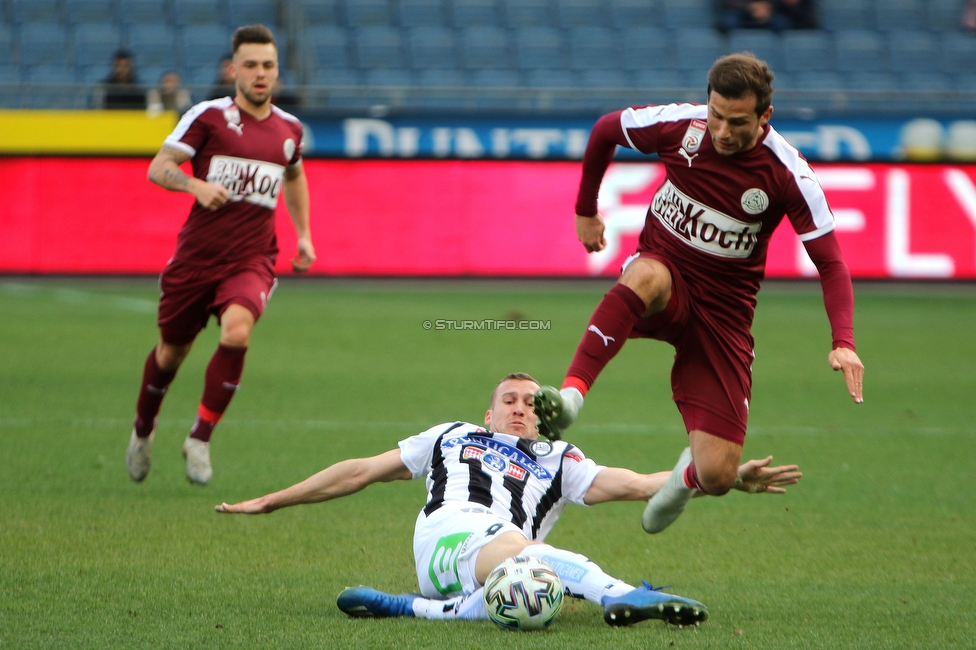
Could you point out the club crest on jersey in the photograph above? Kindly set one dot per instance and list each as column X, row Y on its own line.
column 694, row 136
column 495, row 462
column 289, row 149
column 754, row 201
column 541, row 447
column 233, row 117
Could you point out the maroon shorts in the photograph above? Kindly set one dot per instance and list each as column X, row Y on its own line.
column 191, row 294
column 711, row 379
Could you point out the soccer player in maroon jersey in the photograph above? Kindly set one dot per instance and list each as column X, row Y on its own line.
column 244, row 154
column 694, row 278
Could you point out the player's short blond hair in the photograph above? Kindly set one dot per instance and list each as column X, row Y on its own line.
column 517, row 376
column 737, row 75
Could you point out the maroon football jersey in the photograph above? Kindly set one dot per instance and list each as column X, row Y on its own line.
column 248, row 156
column 714, row 215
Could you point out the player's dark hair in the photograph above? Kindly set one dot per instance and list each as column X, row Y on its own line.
column 735, row 76
column 251, row 34
column 518, row 376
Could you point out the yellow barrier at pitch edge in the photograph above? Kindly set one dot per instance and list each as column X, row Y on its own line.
column 84, row 132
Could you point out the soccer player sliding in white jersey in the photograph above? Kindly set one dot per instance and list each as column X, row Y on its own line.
column 730, row 179
column 494, row 492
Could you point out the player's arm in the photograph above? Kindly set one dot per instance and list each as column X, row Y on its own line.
column 164, row 170
column 838, row 295
column 604, row 138
column 339, row 480
column 620, row 484
column 297, row 200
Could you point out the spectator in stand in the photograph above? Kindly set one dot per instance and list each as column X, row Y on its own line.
column 169, row 95
column 283, row 97
column 121, row 89
column 969, row 16
column 224, row 83
column 776, row 15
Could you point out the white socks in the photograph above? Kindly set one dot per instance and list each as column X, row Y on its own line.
column 581, row 577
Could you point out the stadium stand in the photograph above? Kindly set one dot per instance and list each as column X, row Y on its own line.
column 865, row 49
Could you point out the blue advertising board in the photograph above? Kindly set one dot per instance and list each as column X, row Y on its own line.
column 850, row 139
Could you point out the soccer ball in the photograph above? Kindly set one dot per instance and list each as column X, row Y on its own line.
column 523, row 593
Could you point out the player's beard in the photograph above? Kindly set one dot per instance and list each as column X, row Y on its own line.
column 256, row 100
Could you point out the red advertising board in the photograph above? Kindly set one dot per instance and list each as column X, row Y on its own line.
column 455, row 218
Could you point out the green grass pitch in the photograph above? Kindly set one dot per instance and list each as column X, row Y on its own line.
column 876, row 548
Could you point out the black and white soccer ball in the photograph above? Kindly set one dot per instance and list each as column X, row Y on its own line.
column 523, row 593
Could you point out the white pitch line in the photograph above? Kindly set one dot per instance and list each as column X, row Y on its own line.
column 76, row 297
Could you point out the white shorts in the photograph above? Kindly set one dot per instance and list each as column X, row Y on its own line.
column 446, row 545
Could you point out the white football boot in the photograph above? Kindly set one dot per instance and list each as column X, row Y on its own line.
column 138, row 457
column 197, row 455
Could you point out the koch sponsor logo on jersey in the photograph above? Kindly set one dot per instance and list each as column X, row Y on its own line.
column 702, row 227
column 254, row 181
column 494, row 462
column 510, row 453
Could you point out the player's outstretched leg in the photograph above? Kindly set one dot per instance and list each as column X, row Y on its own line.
column 668, row 504
column 646, row 602
column 556, row 409
column 197, row 455
column 138, row 457
column 365, row 601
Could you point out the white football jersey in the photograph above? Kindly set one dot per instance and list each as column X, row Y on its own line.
column 527, row 482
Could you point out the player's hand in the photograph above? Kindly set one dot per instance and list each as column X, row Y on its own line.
column 589, row 230
column 252, row 507
column 847, row 360
column 758, row 476
column 209, row 195
column 305, row 256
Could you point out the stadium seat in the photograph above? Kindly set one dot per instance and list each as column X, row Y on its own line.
column 539, row 47
column 495, row 78
column 550, row 78
column 198, row 12
column 331, row 46
column 860, row 50
column 870, row 80
column 423, row 13
column 581, row 13
column 913, row 51
column 10, row 75
column 388, row 77
column 90, row 11
column 8, row 54
column 697, row 50
column 765, row 44
column 846, row 14
column 821, row 79
column 49, row 74
column 205, row 45
column 959, row 53
column 322, row 12
column 476, row 13
column 433, row 77
column 95, row 43
column 43, row 44
column 486, row 47
column 432, row 47
column 593, row 48
column 378, row 47
column 34, row 11
column 612, row 78
column 627, row 14
column 659, row 78
column 807, row 51
column 138, row 12
column 336, row 77
column 646, row 48
column 890, row 15
column 156, row 44
column 369, row 13
column 936, row 81
column 528, row 13
column 943, row 15
column 252, row 12
column 688, row 14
